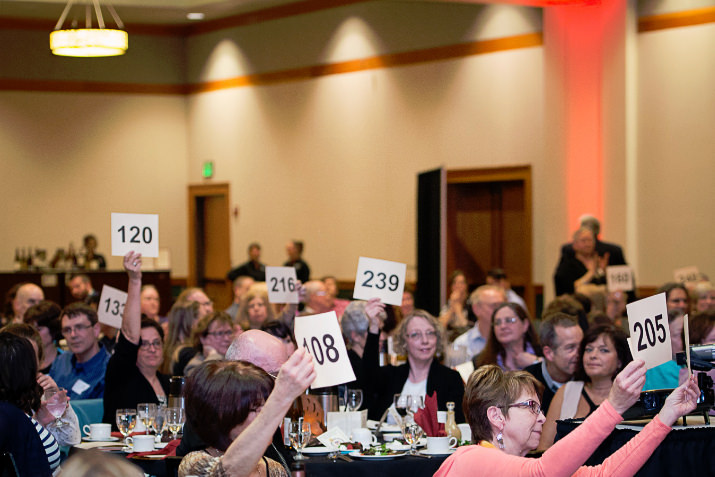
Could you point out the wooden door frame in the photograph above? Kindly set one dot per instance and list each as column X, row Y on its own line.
column 196, row 191
column 506, row 174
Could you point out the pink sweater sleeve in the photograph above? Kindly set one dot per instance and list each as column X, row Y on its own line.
column 566, row 456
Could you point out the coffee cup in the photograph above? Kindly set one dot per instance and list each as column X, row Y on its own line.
column 141, row 443
column 364, row 437
column 98, row 431
column 441, row 445
column 466, row 431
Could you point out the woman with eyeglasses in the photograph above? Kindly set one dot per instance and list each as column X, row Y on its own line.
column 211, row 337
column 512, row 343
column 419, row 335
column 504, row 413
column 132, row 375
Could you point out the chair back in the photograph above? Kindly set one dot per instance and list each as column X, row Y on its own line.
column 89, row 411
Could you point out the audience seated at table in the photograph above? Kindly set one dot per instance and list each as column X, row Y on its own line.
column 211, row 337
column 132, row 373
column 484, row 301
column 283, row 333
column 604, row 353
column 45, row 317
column 177, row 348
column 512, row 342
column 420, row 337
column 235, row 407
column 150, row 305
column 703, row 294
column 18, row 299
column 335, row 304
column 240, row 287
column 354, row 325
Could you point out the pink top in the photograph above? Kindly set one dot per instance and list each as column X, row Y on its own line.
column 566, row 456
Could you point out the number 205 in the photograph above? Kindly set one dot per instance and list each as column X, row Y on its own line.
column 650, row 331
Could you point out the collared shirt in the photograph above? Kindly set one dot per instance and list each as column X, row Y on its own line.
column 550, row 383
column 473, row 340
column 81, row 380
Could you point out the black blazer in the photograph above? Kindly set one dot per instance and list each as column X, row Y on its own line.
column 384, row 382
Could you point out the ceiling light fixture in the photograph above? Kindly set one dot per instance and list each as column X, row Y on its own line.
column 89, row 41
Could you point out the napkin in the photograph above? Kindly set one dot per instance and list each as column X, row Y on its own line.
column 427, row 418
column 168, row 450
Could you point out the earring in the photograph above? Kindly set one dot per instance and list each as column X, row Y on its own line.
column 500, row 440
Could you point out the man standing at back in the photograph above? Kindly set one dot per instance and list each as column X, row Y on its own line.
column 81, row 370
column 294, row 249
column 252, row 268
column 484, row 300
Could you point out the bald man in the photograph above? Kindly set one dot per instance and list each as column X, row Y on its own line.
column 268, row 353
column 27, row 295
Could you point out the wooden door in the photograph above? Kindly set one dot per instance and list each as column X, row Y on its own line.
column 209, row 242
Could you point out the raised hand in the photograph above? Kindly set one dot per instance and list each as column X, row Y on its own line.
column 374, row 310
column 627, row 386
column 295, row 375
column 133, row 265
column 681, row 401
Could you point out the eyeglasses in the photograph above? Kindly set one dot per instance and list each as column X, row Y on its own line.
column 507, row 321
column 221, row 334
column 205, row 303
column 68, row 330
column 531, row 405
column 150, row 344
column 417, row 335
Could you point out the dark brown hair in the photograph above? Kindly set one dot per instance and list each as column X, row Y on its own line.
column 27, row 331
column 699, row 327
column 494, row 348
column 18, row 373
column 620, row 343
column 76, row 309
column 220, row 395
column 46, row 313
column 201, row 330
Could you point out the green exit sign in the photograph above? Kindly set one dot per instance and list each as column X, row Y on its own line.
column 207, row 171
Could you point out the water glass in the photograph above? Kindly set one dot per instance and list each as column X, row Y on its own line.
column 56, row 403
column 126, row 420
column 146, row 413
column 299, row 434
column 175, row 418
column 412, row 433
column 354, row 399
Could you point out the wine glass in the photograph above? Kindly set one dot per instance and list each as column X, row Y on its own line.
column 401, row 405
column 174, row 418
column 146, row 412
column 56, row 403
column 415, row 402
column 126, row 420
column 412, row 433
column 354, row 400
column 299, row 434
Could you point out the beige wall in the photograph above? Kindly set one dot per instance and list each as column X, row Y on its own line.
column 333, row 160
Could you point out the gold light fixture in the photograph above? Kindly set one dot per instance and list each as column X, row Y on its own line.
column 89, row 41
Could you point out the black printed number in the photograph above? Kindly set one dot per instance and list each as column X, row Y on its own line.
column 286, row 285
column 381, row 280
column 652, row 330
column 316, row 349
column 114, row 307
column 136, row 234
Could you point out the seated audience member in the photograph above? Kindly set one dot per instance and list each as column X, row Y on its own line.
column 616, row 309
column 150, row 305
column 64, row 429
column 676, row 297
column 236, row 408
column 454, row 314
column 420, row 337
column 241, row 285
column 92, row 259
column 91, row 463
column 485, row 300
column 81, row 370
column 45, row 317
column 497, row 276
column 504, row 414
column 252, row 268
column 584, row 266
column 132, row 373
column 334, row 303
column 23, row 442
column 255, row 309
column 316, row 299
column 560, row 338
column 182, row 318
column 81, row 288
column 512, row 342
column 283, row 333
column 294, row 250
column 408, row 300
column 18, row 299
column 206, row 305
column 702, row 328
column 704, row 297
column 211, row 337
column 604, row 353
column 569, row 305
column 19, row 390
column 354, row 327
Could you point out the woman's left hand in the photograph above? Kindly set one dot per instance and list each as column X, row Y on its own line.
column 45, row 381
column 133, row 265
column 681, row 401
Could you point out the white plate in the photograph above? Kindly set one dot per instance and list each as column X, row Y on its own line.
column 426, row 452
column 360, row 455
column 317, row 450
column 108, row 439
column 398, row 447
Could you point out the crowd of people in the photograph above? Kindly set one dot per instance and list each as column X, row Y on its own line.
column 243, row 369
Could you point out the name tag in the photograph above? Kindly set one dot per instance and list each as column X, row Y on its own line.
column 79, row 387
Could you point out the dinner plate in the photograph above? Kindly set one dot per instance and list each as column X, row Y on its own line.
column 360, row 455
column 106, row 439
column 317, row 450
column 427, row 452
column 397, row 447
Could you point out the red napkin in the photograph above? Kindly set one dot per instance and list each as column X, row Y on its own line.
column 131, row 434
column 168, row 450
column 427, row 418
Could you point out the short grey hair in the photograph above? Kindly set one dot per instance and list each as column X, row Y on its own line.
column 354, row 320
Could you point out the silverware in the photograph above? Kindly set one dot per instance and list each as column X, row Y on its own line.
column 421, row 455
column 344, row 457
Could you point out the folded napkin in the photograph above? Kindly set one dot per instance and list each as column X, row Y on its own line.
column 427, row 418
column 131, row 434
column 168, row 450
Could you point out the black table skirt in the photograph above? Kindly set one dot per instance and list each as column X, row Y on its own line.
column 407, row 466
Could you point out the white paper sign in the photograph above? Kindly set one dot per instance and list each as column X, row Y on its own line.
column 380, row 279
column 686, row 332
column 619, row 278
column 111, row 306
column 281, row 283
column 650, row 335
column 135, row 233
column 686, row 274
column 321, row 336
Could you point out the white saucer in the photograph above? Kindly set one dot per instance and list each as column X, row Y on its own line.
column 426, row 452
column 107, row 439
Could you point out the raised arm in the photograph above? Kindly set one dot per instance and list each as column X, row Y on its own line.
column 247, row 449
column 131, row 322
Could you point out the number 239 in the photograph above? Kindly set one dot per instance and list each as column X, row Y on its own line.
column 381, row 279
